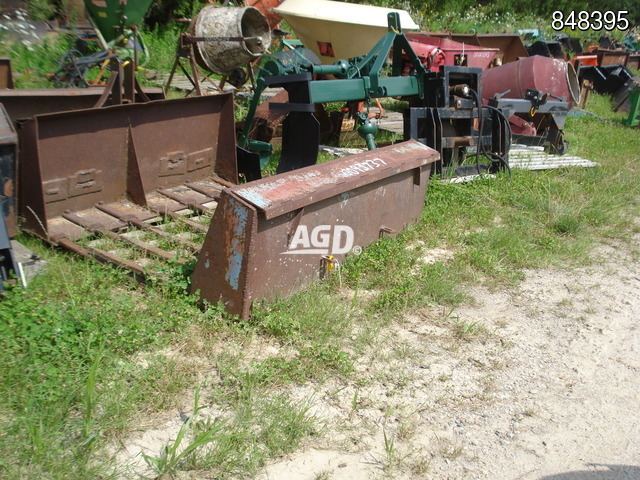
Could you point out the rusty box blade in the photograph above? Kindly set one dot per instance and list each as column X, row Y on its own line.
column 111, row 170
column 272, row 237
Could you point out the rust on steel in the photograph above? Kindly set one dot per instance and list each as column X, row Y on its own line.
column 8, row 165
column 246, row 255
column 122, row 174
column 6, row 77
column 24, row 103
column 510, row 44
column 112, row 169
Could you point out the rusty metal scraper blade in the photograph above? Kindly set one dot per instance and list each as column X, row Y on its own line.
column 74, row 161
column 106, row 171
column 268, row 237
column 23, row 103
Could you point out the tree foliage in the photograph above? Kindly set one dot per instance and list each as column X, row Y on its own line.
column 163, row 12
column 541, row 8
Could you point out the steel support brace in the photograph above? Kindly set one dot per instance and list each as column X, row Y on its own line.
column 634, row 111
column 548, row 118
column 323, row 91
column 8, row 262
column 8, row 168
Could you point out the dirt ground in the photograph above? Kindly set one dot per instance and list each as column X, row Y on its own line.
column 541, row 382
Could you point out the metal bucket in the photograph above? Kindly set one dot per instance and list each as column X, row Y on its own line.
column 26, row 102
column 510, row 44
column 549, row 75
column 612, row 57
column 221, row 56
column 422, row 44
column 120, row 173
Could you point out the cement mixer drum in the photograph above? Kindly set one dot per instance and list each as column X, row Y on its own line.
column 222, row 56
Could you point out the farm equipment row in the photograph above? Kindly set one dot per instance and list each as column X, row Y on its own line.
column 144, row 182
column 137, row 185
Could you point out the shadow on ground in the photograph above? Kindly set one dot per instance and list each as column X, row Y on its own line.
column 600, row 472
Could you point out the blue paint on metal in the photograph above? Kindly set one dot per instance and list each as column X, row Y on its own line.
column 242, row 215
column 258, row 194
column 234, row 266
column 233, row 272
column 256, row 198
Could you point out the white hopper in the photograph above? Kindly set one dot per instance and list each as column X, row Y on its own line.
column 339, row 30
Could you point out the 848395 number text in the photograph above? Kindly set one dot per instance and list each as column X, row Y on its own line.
column 595, row 20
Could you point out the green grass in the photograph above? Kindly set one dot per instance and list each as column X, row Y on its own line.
column 32, row 64
column 478, row 19
column 261, row 429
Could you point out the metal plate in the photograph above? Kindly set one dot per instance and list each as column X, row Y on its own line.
column 24, row 103
column 277, row 195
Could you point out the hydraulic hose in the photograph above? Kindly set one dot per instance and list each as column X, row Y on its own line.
column 480, row 147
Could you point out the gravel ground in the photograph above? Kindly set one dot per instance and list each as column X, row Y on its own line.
column 540, row 382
